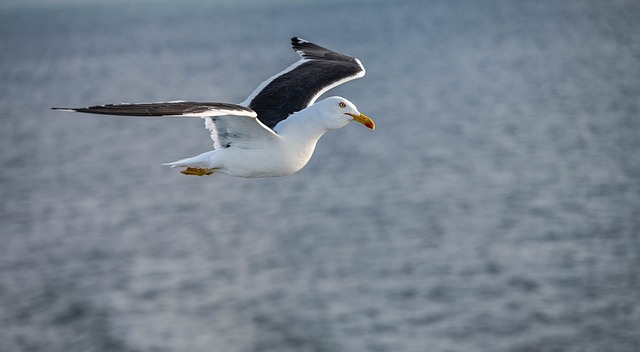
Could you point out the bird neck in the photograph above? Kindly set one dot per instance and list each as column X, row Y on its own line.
column 302, row 127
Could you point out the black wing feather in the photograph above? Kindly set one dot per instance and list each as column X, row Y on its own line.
column 296, row 89
column 157, row 109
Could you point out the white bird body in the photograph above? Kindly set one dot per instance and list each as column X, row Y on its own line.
column 280, row 154
column 273, row 132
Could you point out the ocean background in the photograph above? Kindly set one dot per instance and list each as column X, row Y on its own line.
column 496, row 207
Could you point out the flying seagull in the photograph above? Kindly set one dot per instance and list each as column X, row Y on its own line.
column 275, row 130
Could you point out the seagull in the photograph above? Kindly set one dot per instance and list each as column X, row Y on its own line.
column 275, row 130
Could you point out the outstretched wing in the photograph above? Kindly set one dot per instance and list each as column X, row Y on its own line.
column 229, row 124
column 167, row 109
column 318, row 70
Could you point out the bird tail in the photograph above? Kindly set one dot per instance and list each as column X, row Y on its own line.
column 200, row 161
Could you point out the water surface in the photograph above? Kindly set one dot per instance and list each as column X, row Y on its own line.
column 495, row 208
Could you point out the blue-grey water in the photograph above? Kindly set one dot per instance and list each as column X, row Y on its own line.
column 495, row 208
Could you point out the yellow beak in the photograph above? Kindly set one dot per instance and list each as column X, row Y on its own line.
column 363, row 119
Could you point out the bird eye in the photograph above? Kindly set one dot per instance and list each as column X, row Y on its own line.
column 342, row 104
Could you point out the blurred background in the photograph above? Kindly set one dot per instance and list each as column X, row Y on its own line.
column 495, row 208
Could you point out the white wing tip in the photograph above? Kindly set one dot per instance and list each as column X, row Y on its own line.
column 363, row 72
column 299, row 40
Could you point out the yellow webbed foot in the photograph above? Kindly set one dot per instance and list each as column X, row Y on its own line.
column 197, row 171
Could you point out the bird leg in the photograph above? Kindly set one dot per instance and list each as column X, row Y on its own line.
column 197, row 171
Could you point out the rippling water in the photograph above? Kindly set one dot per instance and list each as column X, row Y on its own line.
column 495, row 208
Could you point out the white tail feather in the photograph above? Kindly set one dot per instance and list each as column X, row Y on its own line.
column 201, row 161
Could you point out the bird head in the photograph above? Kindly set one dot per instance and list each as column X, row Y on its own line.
column 343, row 111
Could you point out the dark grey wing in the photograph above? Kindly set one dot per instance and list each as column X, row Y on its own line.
column 298, row 86
column 174, row 108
